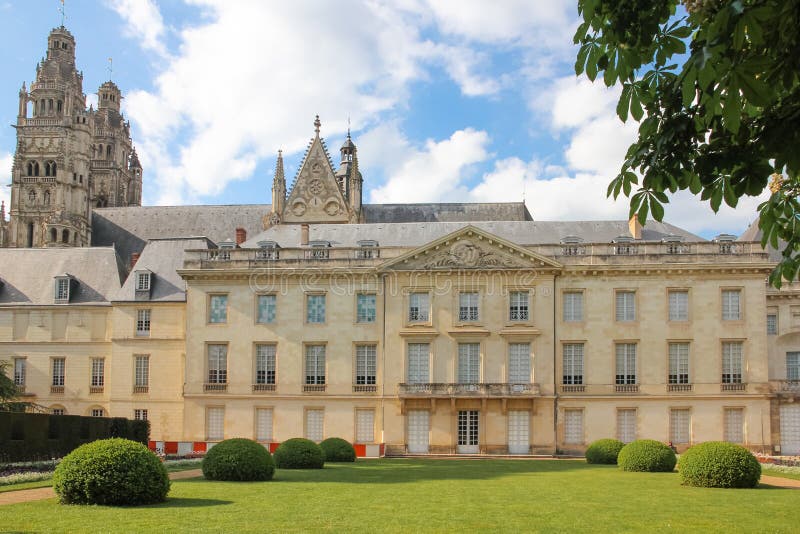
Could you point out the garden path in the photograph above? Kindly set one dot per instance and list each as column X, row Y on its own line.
column 38, row 494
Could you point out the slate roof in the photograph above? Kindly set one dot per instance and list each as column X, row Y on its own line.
column 162, row 257
column 753, row 233
column 28, row 274
column 417, row 234
column 447, row 212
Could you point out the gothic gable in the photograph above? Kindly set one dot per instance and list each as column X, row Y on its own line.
column 316, row 197
column 470, row 248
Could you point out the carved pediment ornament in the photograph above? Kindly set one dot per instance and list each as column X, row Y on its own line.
column 468, row 254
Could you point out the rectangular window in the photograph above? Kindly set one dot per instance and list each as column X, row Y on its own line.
column 366, row 362
column 626, row 306
column 573, row 306
column 732, row 362
column 734, row 425
column 469, row 363
column 218, row 364
column 58, row 371
column 98, row 412
column 215, row 423
column 680, row 424
column 267, row 307
column 218, row 309
column 140, row 414
column 468, row 307
column 419, row 363
column 58, row 411
column 315, row 420
column 315, row 364
column 142, row 322
column 19, row 371
column 626, row 425
column 265, row 364
column 678, row 363
column 793, row 366
column 679, row 305
column 573, row 364
column 141, row 374
column 772, row 324
column 573, row 427
column 626, row 363
column 518, row 306
column 143, row 282
column 264, row 424
column 365, row 426
column 418, row 307
column 62, row 289
column 365, row 308
column 519, row 363
column 98, row 372
column 315, row 309
column 731, row 305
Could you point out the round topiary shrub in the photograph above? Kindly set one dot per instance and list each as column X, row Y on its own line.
column 646, row 455
column 717, row 464
column 604, row 451
column 299, row 453
column 338, row 450
column 111, row 471
column 238, row 459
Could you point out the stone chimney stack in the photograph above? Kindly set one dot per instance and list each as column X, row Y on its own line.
column 241, row 236
column 134, row 259
column 635, row 227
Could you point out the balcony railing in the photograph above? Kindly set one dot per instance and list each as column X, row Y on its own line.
column 626, row 388
column 362, row 388
column 141, row 389
column 95, row 389
column 58, row 390
column 673, row 388
column 789, row 385
column 313, row 388
column 468, row 390
column 262, row 388
column 734, row 387
column 215, row 388
column 573, row 388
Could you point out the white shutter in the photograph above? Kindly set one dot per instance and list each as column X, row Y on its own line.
column 731, row 305
column 573, row 426
column 418, row 363
column 626, row 310
column 519, row 432
column 678, row 305
column 215, row 423
column 573, row 306
column 418, row 431
column 790, row 429
column 315, row 424
column 469, row 363
column 680, row 426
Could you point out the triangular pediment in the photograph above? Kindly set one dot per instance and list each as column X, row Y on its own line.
column 470, row 248
column 316, row 197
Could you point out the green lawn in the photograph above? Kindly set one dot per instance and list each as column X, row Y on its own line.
column 434, row 495
column 773, row 472
column 27, row 485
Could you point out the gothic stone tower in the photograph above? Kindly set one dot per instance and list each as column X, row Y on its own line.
column 68, row 159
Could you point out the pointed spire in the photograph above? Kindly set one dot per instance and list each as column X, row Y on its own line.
column 2, row 211
column 135, row 160
column 317, row 124
column 279, row 176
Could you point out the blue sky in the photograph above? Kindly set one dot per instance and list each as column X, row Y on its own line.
column 458, row 100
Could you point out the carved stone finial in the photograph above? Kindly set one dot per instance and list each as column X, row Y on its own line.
column 317, row 124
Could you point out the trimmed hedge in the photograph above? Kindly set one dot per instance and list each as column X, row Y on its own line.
column 338, row 450
column 238, row 459
column 646, row 455
column 299, row 453
column 111, row 471
column 604, row 451
column 35, row 436
column 718, row 464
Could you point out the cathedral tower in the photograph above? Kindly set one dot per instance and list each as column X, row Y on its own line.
column 68, row 159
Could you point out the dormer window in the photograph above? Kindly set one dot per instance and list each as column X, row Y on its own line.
column 62, row 288
column 267, row 250
column 368, row 249
column 143, row 281
column 674, row 244
column 572, row 245
column 624, row 245
column 726, row 243
column 320, row 250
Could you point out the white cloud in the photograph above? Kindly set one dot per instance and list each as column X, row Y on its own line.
column 144, row 23
column 574, row 100
column 435, row 173
column 6, row 161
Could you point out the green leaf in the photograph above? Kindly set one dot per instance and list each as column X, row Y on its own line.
column 755, row 90
column 624, row 102
column 730, row 196
column 716, row 198
column 657, row 209
column 636, row 107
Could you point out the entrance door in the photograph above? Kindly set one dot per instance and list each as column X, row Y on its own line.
column 418, row 431
column 468, row 432
column 790, row 429
column 519, row 432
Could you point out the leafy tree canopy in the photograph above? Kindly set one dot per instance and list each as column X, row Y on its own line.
column 8, row 390
column 716, row 92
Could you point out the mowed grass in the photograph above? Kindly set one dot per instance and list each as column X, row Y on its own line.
column 433, row 495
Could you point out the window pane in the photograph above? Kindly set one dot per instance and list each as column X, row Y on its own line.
column 626, row 306
column 365, row 364
column 266, row 308
column 679, row 426
column 365, row 426
column 732, row 362
column 218, row 309
column 315, row 364
column 215, row 424
column 217, row 364
column 573, row 306
column 19, row 371
column 469, row 363
column 58, row 371
column 573, row 426
column 142, row 371
column 263, row 424
column 418, row 307
column 626, row 363
column 365, row 308
column 793, row 366
column 98, row 374
column 519, row 363
column 626, row 425
column 518, row 310
column 731, row 310
column 734, row 425
column 678, row 305
column 573, row 364
column 468, row 307
column 678, row 363
column 772, row 324
column 418, row 363
column 265, row 364
column 314, row 424
column 142, row 322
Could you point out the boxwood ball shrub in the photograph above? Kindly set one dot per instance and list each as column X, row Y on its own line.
column 338, row 450
column 604, row 451
column 112, row 471
column 717, row 464
column 299, row 453
column 238, row 459
column 646, row 455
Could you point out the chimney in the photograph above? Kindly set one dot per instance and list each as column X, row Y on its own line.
column 634, row 227
column 241, row 236
column 304, row 234
column 134, row 259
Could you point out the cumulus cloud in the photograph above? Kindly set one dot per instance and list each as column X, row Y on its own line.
column 144, row 22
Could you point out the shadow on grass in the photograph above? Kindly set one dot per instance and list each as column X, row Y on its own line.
column 178, row 502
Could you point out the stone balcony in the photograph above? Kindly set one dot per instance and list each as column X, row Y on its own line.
column 478, row 390
column 279, row 258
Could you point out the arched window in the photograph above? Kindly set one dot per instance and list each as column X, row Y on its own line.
column 65, row 236
column 31, row 196
column 53, row 235
column 99, row 151
column 36, row 168
column 46, row 198
column 53, row 168
column 50, row 104
column 59, row 106
column 30, row 168
column 42, row 105
column 108, row 152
